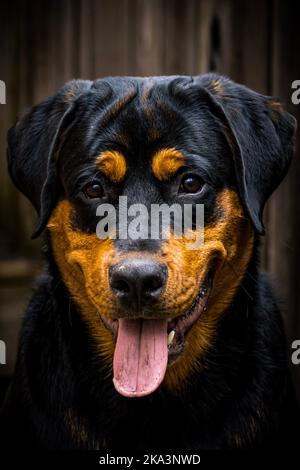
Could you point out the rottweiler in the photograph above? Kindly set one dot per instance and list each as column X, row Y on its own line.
column 141, row 343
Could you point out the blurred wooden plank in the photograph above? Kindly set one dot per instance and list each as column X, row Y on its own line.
column 246, row 44
column 204, row 15
column 149, row 53
column 172, row 60
column 110, row 37
column 180, row 37
column 19, row 269
column 86, row 48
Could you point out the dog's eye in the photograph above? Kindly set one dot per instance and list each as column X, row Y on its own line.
column 191, row 184
column 94, row 191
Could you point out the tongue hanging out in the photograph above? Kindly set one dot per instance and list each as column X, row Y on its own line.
column 141, row 356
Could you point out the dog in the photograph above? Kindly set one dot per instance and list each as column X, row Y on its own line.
column 135, row 343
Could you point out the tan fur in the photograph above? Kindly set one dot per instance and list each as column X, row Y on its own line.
column 166, row 162
column 112, row 164
column 84, row 261
column 229, row 242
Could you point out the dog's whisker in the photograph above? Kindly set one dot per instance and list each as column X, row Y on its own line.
column 241, row 283
column 251, row 277
column 56, row 286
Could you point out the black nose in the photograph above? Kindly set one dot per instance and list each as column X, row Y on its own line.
column 138, row 282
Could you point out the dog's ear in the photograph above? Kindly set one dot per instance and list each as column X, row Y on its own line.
column 262, row 135
column 33, row 146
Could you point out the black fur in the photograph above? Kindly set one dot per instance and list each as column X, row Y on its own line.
column 242, row 397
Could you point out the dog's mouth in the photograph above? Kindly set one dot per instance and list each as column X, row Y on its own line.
column 145, row 347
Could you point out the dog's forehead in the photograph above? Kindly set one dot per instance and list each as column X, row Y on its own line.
column 140, row 116
column 133, row 105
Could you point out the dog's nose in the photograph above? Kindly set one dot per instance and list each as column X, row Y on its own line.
column 138, row 282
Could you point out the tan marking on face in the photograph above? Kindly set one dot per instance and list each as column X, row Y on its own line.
column 229, row 243
column 166, row 162
column 112, row 164
column 83, row 260
column 84, row 263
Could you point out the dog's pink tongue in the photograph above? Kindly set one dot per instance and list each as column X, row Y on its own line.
column 141, row 356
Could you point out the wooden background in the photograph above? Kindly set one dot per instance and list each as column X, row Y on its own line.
column 45, row 43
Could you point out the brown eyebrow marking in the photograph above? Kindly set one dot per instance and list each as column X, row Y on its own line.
column 166, row 162
column 113, row 164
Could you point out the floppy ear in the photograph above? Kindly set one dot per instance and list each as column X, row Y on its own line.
column 262, row 135
column 33, row 146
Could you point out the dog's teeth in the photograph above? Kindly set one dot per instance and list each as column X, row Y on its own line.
column 171, row 337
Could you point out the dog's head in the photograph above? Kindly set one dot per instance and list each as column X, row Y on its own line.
column 151, row 305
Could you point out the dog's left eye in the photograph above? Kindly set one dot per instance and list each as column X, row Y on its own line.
column 94, row 191
column 191, row 184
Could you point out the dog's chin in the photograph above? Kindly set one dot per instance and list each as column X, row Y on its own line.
column 146, row 346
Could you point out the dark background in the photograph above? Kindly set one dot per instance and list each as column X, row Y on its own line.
column 45, row 43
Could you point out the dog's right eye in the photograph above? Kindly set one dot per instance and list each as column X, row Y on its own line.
column 94, row 191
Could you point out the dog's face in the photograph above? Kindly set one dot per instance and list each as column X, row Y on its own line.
column 152, row 305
